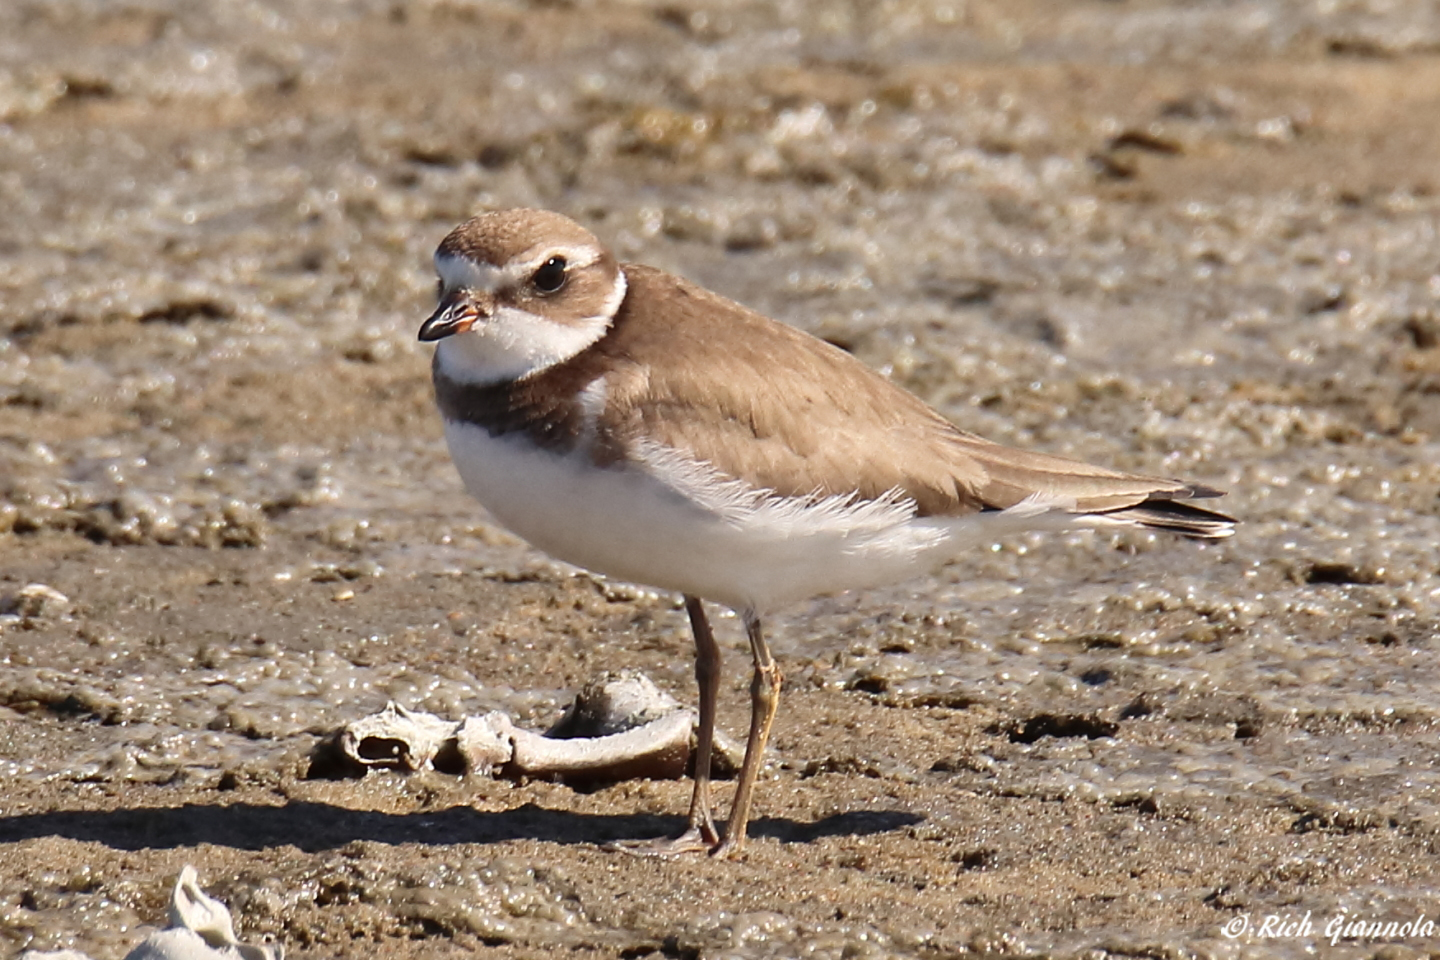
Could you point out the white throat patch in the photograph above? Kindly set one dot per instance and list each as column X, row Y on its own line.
column 514, row 344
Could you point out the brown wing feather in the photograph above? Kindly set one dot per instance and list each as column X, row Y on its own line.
column 786, row 411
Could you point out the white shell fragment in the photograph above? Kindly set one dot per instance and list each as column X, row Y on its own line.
column 619, row 727
column 200, row 929
column 35, row 601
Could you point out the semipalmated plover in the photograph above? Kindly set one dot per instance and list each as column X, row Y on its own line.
column 627, row 421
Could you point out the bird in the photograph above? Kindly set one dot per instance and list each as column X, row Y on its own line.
column 627, row 421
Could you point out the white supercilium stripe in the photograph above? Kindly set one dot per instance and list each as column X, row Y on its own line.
column 463, row 273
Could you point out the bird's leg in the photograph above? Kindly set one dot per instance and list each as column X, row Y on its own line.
column 707, row 678
column 700, row 835
column 764, row 699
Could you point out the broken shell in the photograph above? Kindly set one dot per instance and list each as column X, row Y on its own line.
column 614, row 703
column 486, row 743
column 659, row 749
column 620, row 727
column 34, row 601
column 200, row 929
column 396, row 737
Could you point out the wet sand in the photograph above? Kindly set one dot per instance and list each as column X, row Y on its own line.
column 1190, row 239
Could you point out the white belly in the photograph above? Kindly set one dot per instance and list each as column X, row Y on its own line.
column 676, row 528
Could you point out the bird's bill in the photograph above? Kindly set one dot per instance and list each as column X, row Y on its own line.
column 456, row 313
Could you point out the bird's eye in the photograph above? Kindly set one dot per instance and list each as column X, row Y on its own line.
column 551, row 275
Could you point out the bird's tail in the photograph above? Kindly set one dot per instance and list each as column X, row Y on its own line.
column 1175, row 516
column 1168, row 509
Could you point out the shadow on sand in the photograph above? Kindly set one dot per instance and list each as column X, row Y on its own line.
column 319, row 826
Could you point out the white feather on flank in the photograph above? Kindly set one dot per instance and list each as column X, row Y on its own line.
column 1039, row 504
column 745, row 506
column 849, row 515
column 514, row 343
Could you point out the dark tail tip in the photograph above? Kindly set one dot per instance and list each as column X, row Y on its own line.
column 1175, row 516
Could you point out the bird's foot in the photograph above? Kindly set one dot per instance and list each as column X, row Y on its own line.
column 697, row 839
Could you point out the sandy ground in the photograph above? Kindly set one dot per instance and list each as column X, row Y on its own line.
column 1197, row 239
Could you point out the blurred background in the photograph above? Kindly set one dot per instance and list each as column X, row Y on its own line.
column 1196, row 239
